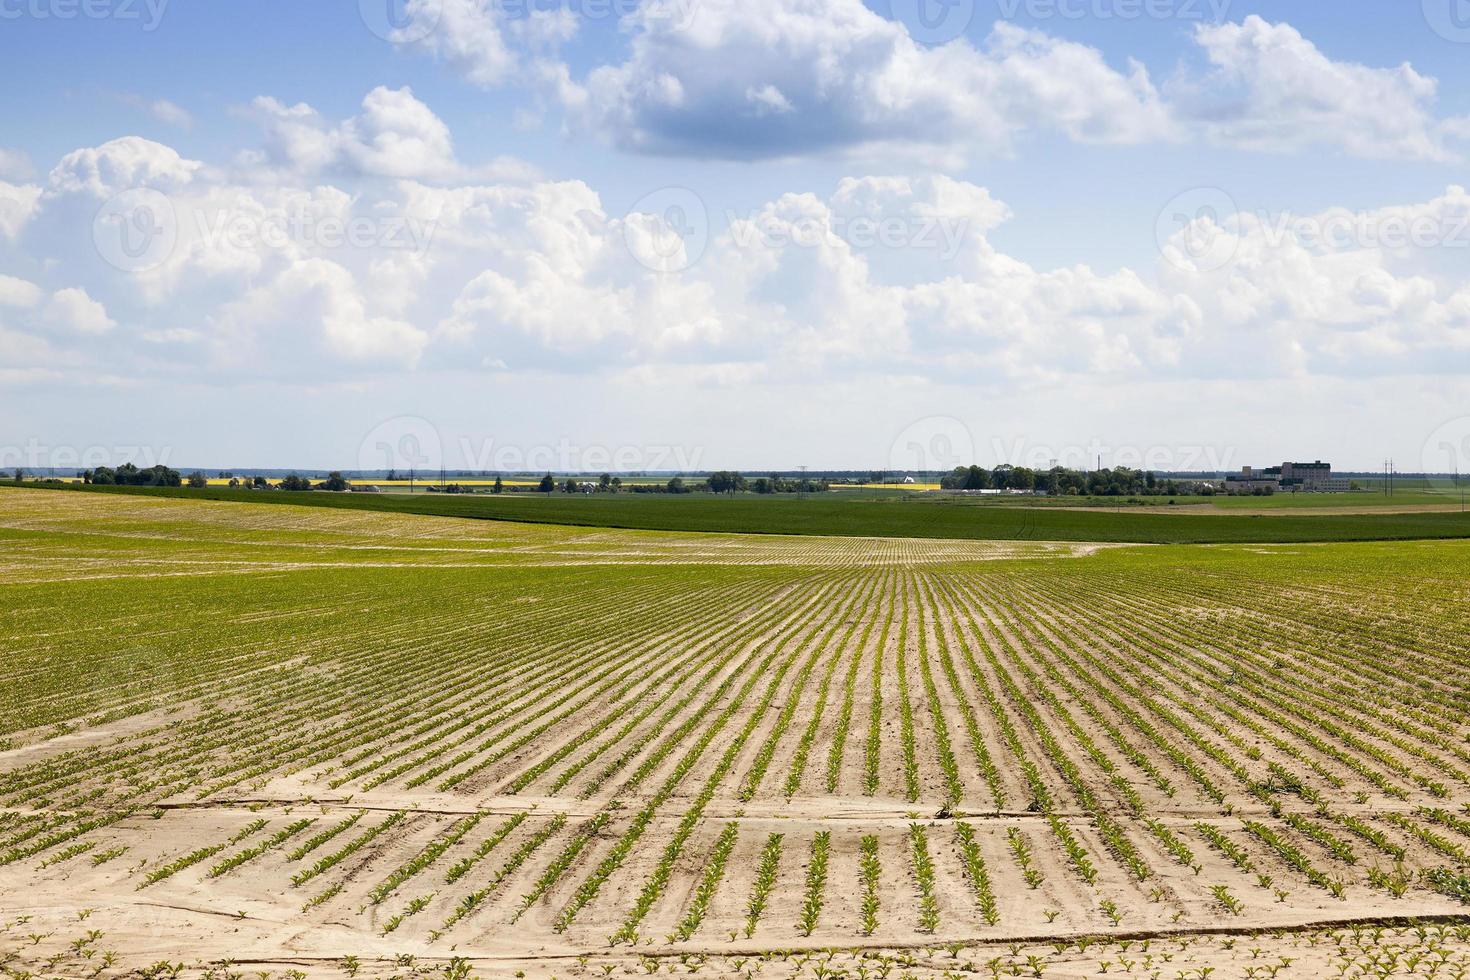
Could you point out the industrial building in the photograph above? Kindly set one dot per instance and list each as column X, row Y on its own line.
column 1313, row 477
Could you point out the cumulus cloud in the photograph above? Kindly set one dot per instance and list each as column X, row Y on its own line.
column 879, row 276
column 19, row 293
column 121, row 164
column 750, row 79
column 1273, row 89
column 467, row 34
column 314, row 307
column 778, row 78
column 18, row 204
column 394, row 136
column 73, row 310
column 1338, row 293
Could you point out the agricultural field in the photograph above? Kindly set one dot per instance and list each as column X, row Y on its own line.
column 885, row 514
column 252, row 740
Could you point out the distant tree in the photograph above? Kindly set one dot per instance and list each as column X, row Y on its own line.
column 295, row 483
column 129, row 475
column 259, row 483
column 676, row 485
column 570, row 486
column 335, row 482
column 198, row 481
column 617, row 484
column 547, row 485
column 725, row 481
column 499, row 486
column 20, row 474
column 234, row 482
column 604, row 484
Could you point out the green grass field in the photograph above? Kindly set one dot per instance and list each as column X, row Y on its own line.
column 336, row 744
column 853, row 516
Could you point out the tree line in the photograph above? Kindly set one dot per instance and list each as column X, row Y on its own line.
column 1060, row 481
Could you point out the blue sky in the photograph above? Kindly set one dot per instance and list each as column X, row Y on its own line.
column 1032, row 174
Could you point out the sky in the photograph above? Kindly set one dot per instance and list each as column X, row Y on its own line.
column 753, row 234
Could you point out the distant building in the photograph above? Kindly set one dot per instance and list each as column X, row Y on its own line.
column 1289, row 478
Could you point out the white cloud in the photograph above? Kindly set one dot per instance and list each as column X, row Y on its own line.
column 165, row 111
column 759, row 78
column 467, row 34
column 19, row 292
column 18, row 204
column 1273, row 89
column 313, row 308
column 750, row 79
column 171, row 113
column 73, row 310
column 121, row 164
column 882, row 276
column 395, row 136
